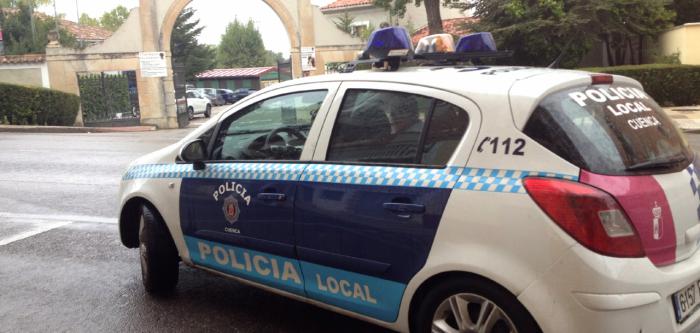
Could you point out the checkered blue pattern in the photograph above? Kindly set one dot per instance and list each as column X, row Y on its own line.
column 468, row 179
column 245, row 171
column 504, row 181
column 694, row 180
column 381, row 176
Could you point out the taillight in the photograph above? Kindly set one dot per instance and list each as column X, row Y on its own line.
column 588, row 214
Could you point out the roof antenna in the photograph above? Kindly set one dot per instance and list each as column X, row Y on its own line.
column 558, row 60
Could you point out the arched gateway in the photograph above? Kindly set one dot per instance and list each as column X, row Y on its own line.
column 148, row 29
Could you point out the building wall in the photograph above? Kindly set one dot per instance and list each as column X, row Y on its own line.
column 415, row 16
column 36, row 75
column 684, row 40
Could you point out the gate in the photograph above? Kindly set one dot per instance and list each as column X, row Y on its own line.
column 109, row 99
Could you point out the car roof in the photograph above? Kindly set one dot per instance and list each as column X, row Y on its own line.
column 475, row 82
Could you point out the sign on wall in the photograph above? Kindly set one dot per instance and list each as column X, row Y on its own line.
column 153, row 64
column 308, row 58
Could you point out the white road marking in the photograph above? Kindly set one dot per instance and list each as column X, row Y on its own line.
column 58, row 218
column 33, row 232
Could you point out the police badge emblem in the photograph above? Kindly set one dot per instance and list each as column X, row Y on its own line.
column 231, row 209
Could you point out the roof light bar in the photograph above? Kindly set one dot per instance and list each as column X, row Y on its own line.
column 477, row 42
column 388, row 42
column 440, row 43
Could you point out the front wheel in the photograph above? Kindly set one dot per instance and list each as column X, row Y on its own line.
column 466, row 305
column 190, row 113
column 159, row 257
column 207, row 112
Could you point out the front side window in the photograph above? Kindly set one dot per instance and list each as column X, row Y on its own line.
column 387, row 127
column 273, row 129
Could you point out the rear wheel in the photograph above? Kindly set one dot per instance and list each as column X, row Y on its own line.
column 466, row 305
column 207, row 112
column 159, row 257
column 190, row 113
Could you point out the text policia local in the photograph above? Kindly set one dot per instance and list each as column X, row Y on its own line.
column 628, row 101
column 284, row 271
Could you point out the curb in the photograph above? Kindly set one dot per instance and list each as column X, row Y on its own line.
column 72, row 129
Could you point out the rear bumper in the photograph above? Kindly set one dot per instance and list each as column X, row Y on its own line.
column 587, row 292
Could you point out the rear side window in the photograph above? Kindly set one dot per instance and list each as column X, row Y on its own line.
column 610, row 130
column 396, row 128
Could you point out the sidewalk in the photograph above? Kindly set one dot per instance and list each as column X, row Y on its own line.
column 71, row 129
column 687, row 118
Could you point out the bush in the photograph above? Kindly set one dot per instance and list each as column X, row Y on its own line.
column 37, row 106
column 670, row 85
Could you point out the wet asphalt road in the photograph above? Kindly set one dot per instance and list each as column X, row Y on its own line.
column 63, row 268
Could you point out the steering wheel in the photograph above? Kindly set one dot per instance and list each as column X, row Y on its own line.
column 289, row 130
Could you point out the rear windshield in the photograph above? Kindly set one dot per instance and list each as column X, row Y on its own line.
column 610, row 130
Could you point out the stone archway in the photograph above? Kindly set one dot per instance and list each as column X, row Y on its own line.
column 157, row 24
column 277, row 6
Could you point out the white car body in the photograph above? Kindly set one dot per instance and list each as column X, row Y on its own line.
column 199, row 104
column 490, row 226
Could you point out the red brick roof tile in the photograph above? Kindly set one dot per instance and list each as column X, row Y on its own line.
column 221, row 73
column 454, row 27
column 338, row 4
column 22, row 59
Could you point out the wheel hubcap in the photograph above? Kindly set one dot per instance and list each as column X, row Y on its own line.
column 470, row 313
column 143, row 251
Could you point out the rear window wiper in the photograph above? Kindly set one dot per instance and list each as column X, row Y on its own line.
column 658, row 164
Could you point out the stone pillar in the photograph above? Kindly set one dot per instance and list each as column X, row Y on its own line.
column 152, row 92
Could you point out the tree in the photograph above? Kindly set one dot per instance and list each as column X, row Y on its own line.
column 114, row 19
column 539, row 30
column 186, row 49
column 344, row 22
column 25, row 33
column 432, row 10
column 688, row 11
column 272, row 58
column 241, row 46
column 85, row 19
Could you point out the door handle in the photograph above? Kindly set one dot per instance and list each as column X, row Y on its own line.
column 271, row 196
column 404, row 208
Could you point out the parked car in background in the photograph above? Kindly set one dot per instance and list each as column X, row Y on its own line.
column 213, row 95
column 241, row 93
column 228, row 95
column 197, row 104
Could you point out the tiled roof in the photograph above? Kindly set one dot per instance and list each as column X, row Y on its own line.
column 454, row 27
column 22, row 59
column 85, row 32
column 221, row 73
column 340, row 4
column 81, row 32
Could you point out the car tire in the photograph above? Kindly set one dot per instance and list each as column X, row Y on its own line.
column 159, row 258
column 190, row 113
column 207, row 112
column 436, row 312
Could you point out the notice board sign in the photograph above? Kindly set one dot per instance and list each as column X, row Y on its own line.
column 153, row 64
column 308, row 58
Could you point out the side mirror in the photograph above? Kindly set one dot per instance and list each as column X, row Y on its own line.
column 194, row 152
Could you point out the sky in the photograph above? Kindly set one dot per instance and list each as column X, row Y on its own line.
column 214, row 15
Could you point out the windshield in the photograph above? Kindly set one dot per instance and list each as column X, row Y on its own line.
column 611, row 130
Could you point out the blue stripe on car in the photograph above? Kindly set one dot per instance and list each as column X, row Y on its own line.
column 370, row 296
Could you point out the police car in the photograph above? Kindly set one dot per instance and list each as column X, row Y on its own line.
column 444, row 197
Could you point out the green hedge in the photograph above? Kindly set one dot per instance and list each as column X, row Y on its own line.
column 670, row 85
column 37, row 106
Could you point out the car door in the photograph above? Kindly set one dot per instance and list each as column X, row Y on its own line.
column 368, row 209
column 236, row 214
